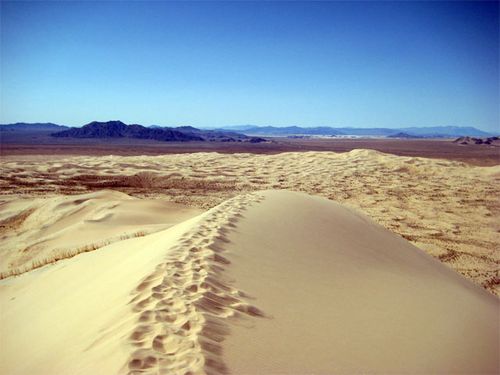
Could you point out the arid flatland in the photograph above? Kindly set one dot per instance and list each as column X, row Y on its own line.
column 43, row 144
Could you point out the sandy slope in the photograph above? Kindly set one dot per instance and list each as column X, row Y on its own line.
column 347, row 296
column 447, row 208
column 38, row 231
column 75, row 317
column 273, row 282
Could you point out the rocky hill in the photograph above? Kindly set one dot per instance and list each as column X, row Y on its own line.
column 404, row 135
column 118, row 129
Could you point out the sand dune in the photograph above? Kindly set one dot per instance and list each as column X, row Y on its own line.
column 270, row 282
column 447, row 208
column 39, row 231
column 75, row 317
column 347, row 296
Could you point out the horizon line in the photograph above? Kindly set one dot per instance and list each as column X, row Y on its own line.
column 254, row 125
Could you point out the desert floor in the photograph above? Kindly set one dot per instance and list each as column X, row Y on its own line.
column 26, row 143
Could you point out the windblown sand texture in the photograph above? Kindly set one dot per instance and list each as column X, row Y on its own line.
column 347, row 296
column 449, row 209
column 40, row 231
column 268, row 282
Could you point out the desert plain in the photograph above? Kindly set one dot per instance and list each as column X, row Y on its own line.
column 287, row 261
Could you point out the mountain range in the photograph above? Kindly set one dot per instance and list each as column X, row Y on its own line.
column 118, row 129
column 410, row 132
column 238, row 133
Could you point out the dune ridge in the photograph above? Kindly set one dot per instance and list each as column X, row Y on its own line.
column 182, row 306
column 447, row 208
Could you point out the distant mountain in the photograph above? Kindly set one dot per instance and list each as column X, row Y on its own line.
column 371, row 132
column 446, row 131
column 422, row 132
column 218, row 135
column 22, row 126
column 240, row 128
column 118, row 129
column 285, row 131
column 403, row 135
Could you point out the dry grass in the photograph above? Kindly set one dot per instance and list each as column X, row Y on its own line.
column 61, row 254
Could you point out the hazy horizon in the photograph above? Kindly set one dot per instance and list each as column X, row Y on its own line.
column 228, row 126
column 211, row 64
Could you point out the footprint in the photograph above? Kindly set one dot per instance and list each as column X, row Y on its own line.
column 158, row 343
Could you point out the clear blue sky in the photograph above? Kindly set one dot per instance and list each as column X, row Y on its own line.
column 265, row 63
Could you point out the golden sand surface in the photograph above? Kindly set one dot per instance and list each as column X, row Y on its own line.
column 264, row 283
column 449, row 209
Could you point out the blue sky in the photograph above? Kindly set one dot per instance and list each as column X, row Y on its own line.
column 364, row 64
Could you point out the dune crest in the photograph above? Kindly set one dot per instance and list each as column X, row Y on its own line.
column 182, row 306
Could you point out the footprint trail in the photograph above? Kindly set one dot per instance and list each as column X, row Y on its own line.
column 182, row 308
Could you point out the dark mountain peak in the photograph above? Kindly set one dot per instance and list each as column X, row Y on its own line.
column 114, row 123
column 118, row 129
column 96, row 129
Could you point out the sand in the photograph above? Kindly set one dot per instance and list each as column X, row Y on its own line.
column 270, row 282
column 343, row 295
column 448, row 209
column 75, row 317
column 39, row 231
